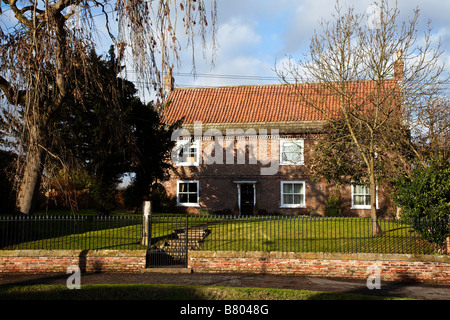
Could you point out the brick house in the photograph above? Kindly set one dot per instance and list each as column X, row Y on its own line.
column 244, row 147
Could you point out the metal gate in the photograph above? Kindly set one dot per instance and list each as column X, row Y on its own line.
column 167, row 245
column 170, row 238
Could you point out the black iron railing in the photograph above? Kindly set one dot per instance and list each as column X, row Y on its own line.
column 310, row 234
column 175, row 234
column 71, row 232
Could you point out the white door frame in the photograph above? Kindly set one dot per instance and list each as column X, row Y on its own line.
column 241, row 182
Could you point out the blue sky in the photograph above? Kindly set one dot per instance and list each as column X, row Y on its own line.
column 253, row 35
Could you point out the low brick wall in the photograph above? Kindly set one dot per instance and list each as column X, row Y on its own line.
column 404, row 268
column 48, row 261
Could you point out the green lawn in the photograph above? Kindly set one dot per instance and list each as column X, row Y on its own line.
column 68, row 234
column 168, row 292
column 314, row 235
column 286, row 234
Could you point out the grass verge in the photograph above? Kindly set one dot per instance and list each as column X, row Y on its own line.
column 169, row 292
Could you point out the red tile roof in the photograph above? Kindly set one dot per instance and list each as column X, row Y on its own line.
column 249, row 104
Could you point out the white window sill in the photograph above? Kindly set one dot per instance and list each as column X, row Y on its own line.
column 188, row 205
column 292, row 164
column 361, row 208
column 187, row 164
column 292, row 206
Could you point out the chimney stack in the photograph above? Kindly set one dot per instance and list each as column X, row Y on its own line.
column 169, row 82
column 399, row 67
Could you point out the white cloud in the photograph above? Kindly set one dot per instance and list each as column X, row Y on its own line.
column 235, row 36
column 237, row 54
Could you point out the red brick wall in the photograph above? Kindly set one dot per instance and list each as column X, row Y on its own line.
column 36, row 261
column 427, row 269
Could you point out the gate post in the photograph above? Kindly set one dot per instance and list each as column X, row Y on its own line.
column 146, row 231
column 187, row 241
column 448, row 245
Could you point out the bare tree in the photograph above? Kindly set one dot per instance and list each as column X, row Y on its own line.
column 431, row 130
column 369, row 81
column 48, row 42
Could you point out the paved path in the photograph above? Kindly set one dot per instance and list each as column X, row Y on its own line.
column 407, row 290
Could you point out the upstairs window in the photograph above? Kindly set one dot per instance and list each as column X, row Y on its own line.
column 187, row 153
column 291, row 152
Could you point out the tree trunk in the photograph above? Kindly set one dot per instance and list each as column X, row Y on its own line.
column 29, row 187
column 34, row 158
column 376, row 229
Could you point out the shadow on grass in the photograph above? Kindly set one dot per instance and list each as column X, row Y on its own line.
column 165, row 292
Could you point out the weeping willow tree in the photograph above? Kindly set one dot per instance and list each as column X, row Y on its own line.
column 45, row 47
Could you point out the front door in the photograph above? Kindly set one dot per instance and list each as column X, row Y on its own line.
column 247, row 199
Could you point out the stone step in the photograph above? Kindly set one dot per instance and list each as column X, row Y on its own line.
column 191, row 233
column 182, row 244
column 189, row 238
